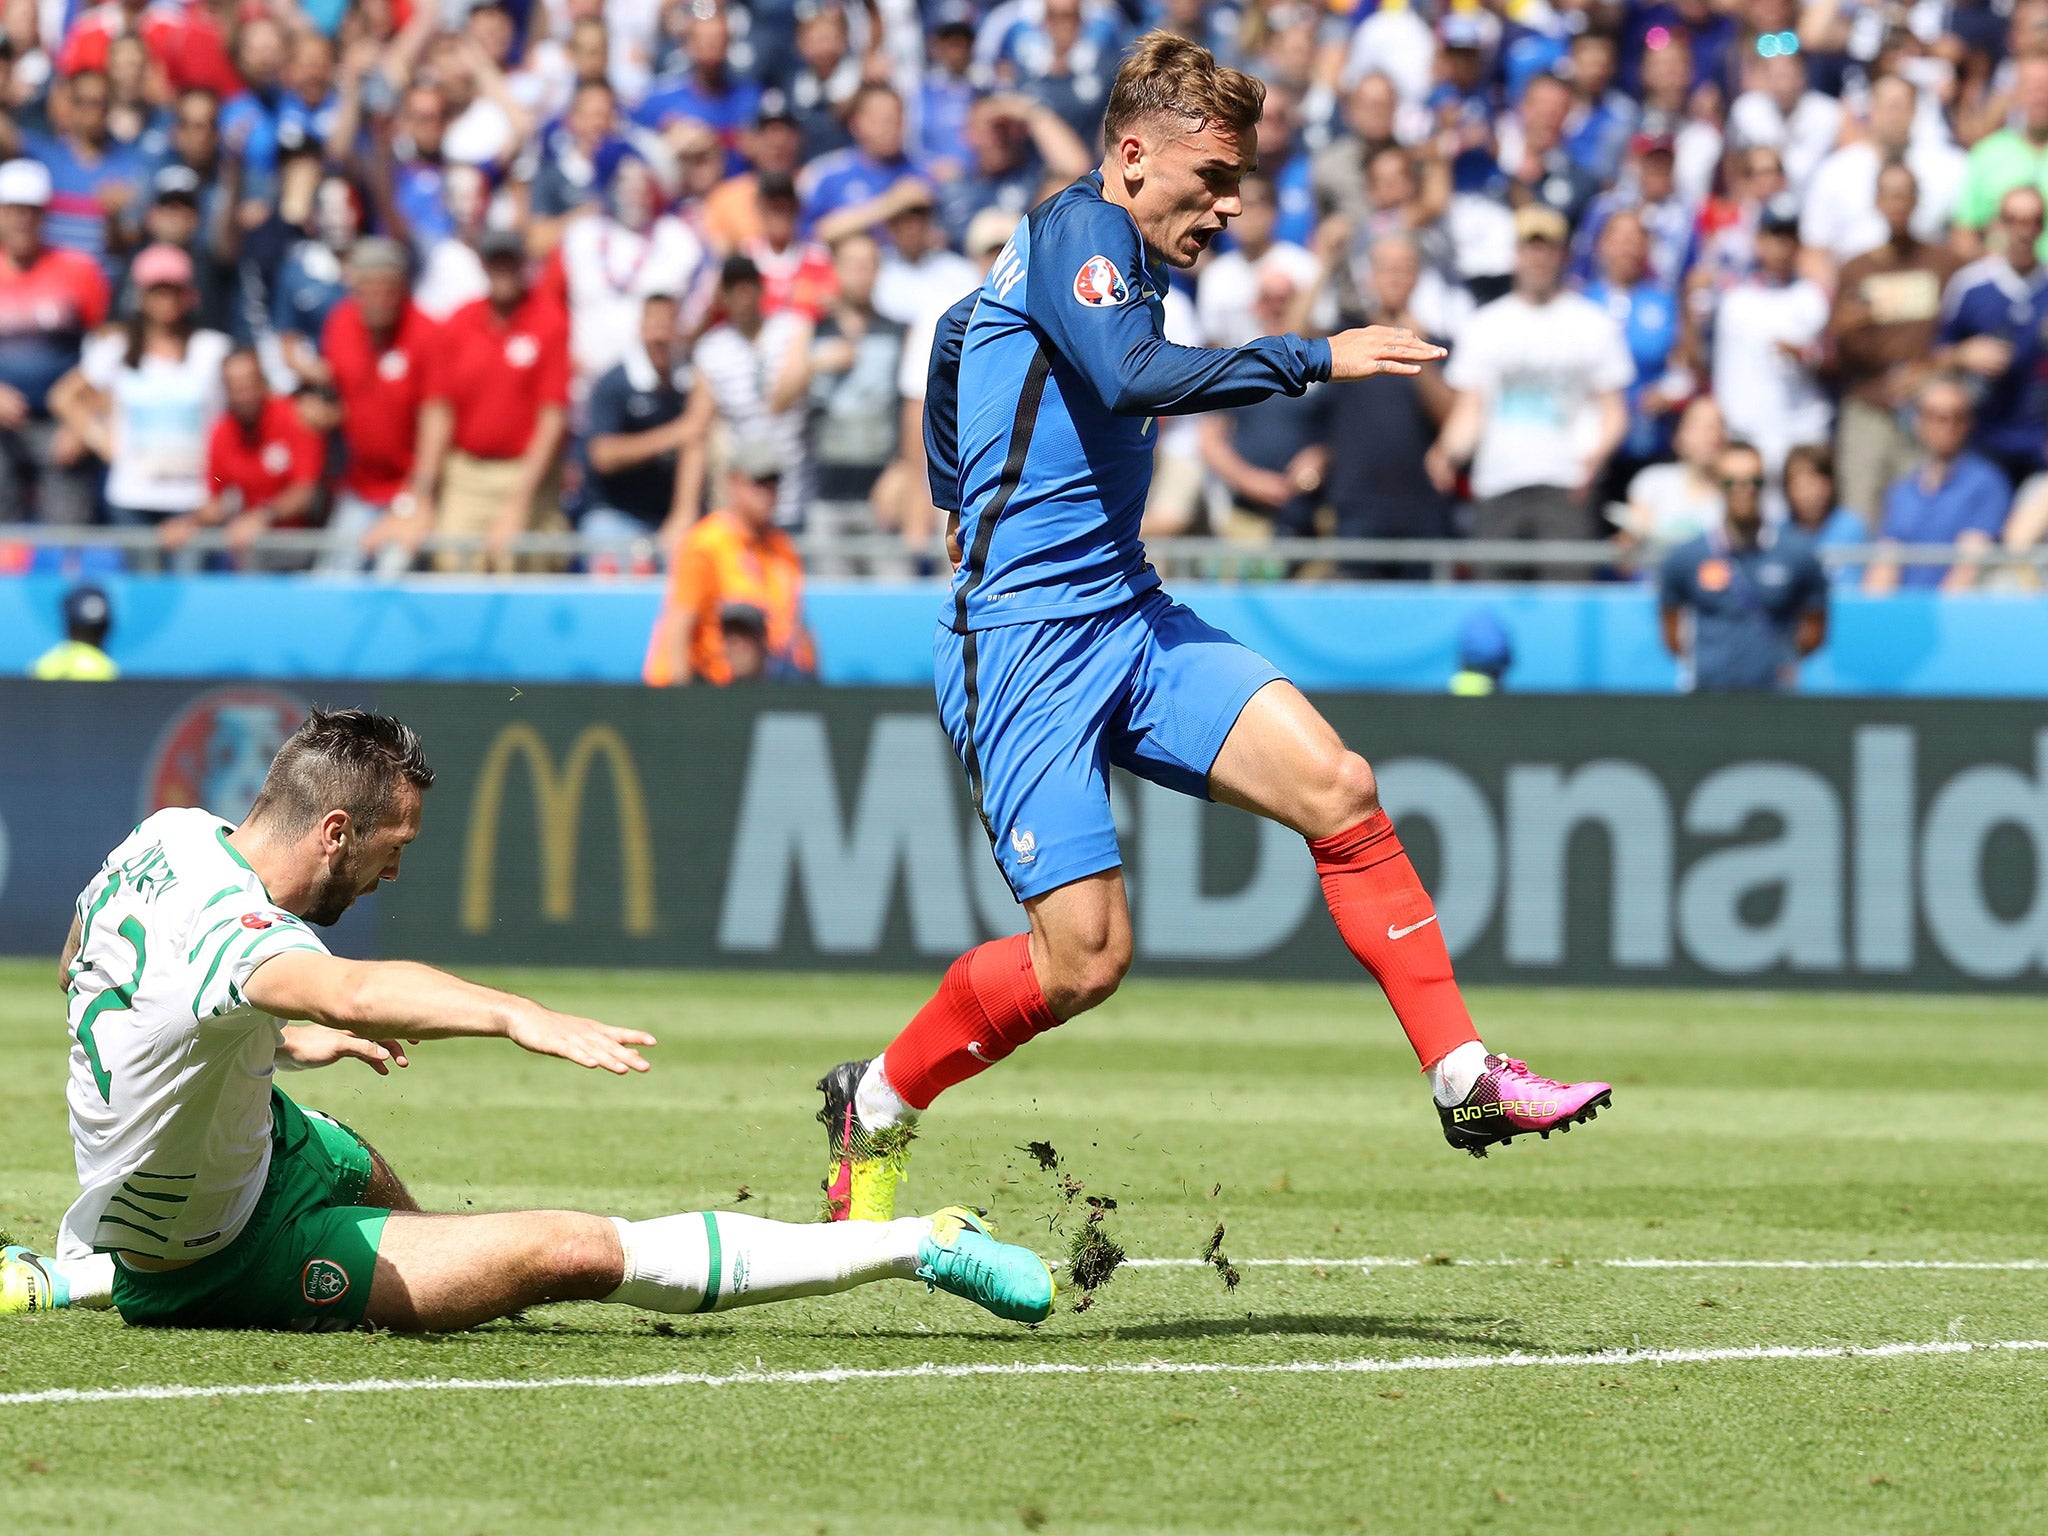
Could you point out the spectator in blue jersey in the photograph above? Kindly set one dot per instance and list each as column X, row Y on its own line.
column 1533, row 157
column 565, row 180
column 249, row 122
column 1288, row 166
column 1647, row 313
column 1018, row 149
column 1649, row 188
column 310, row 98
column 1811, row 505
column 418, row 208
column 1952, row 496
column 1707, row 29
column 1743, row 604
column 1602, row 119
column 1017, row 38
column 946, row 93
column 636, row 432
column 840, row 190
column 1994, row 334
column 93, row 180
column 1066, row 66
column 821, row 91
column 708, row 90
column 310, row 282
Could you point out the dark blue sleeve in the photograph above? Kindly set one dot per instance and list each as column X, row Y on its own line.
column 1955, row 323
column 1674, row 580
column 1813, row 583
column 942, row 405
column 605, row 411
column 1117, row 348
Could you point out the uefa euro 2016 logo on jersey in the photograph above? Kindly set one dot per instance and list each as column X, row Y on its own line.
column 1099, row 284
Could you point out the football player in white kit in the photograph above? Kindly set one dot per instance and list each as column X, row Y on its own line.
column 209, row 1199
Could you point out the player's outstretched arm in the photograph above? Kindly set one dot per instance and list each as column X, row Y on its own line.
column 398, row 999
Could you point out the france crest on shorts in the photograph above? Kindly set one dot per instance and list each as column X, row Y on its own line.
column 1098, row 284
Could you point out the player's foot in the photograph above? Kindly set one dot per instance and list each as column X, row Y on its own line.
column 28, row 1284
column 1509, row 1101
column 866, row 1166
column 962, row 1258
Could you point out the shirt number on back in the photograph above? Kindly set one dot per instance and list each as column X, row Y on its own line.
column 122, row 997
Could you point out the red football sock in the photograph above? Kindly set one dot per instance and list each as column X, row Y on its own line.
column 989, row 1004
column 1387, row 921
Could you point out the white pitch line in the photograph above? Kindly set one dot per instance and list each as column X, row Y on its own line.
column 1518, row 1359
column 1404, row 1262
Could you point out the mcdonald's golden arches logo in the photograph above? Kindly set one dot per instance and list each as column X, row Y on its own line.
column 558, row 807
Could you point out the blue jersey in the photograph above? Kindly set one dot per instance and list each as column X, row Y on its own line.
column 1063, row 365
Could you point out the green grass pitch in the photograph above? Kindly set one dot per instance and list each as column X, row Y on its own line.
column 1760, row 1127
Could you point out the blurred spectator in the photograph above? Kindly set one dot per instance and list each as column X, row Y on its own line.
column 1016, row 147
column 262, row 465
column 1811, row 505
column 1670, row 503
column 1649, row 189
column 1743, row 603
column 496, row 413
column 751, row 375
column 2013, row 156
column 707, row 91
column 1539, row 375
column 1379, row 430
column 1485, row 652
column 822, row 89
column 1648, row 316
column 173, row 218
column 1270, row 454
column 50, row 301
column 1994, row 333
column 1781, row 111
column 564, row 180
column 184, row 42
column 144, row 397
column 81, row 656
column 743, row 631
column 1951, row 496
column 1533, row 155
column 94, row 180
column 1338, row 170
column 848, row 189
column 735, row 555
column 618, row 255
column 1883, row 326
column 1227, row 302
column 1839, row 215
column 1070, row 64
column 732, row 213
column 378, row 348
column 417, row 206
column 452, row 271
column 1769, row 337
column 637, row 432
column 856, row 413
column 1725, row 252
column 1602, row 119
column 796, row 274
column 916, row 265
column 946, row 93
column 310, row 282
column 251, row 117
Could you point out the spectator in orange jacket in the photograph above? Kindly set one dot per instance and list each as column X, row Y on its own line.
column 733, row 560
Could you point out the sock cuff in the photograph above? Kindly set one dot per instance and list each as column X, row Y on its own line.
column 625, row 1231
column 1004, row 983
column 1369, row 842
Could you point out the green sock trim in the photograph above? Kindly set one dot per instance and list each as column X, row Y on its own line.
column 710, row 1300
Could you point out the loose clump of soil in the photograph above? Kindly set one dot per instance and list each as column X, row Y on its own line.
column 1043, row 1151
column 1215, row 1256
column 1092, row 1257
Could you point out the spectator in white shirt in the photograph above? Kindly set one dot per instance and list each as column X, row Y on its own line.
column 919, row 267
column 1227, row 295
column 1670, row 503
column 1779, row 111
column 1768, row 332
column 1840, row 217
column 614, row 261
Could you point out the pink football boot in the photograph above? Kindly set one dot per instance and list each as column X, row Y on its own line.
column 1509, row 1101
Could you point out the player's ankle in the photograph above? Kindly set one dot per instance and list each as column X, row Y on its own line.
column 1452, row 1077
column 877, row 1104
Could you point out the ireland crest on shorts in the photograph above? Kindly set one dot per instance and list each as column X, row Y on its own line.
column 323, row 1282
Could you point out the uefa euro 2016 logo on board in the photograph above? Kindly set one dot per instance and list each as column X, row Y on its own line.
column 216, row 750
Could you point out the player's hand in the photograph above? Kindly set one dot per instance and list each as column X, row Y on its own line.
column 315, row 1045
column 953, row 539
column 1373, row 349
column 583, row 1041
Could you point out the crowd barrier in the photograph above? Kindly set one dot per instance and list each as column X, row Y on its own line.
column 1336, row 635
column 1802, row 842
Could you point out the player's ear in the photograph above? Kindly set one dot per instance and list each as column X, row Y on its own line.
column 1132, row 156
column 336, row 829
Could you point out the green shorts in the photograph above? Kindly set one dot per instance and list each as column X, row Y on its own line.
column 304, row 1261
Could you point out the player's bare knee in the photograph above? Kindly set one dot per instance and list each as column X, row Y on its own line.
column 582, row 1257
column 1353, row 793
column 1091, row 974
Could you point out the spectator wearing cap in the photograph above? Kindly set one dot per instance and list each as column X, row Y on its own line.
column 1540, row 375
column 1648, row 316
column 635, row 432
column 1534, row 157
column 144, row 397
column 93, row 179
column 1994, row 333
column 1839, row 215
column 1743, row 603
column 2013, row 156
column 732, row 213
column 1648, row 188
column 1485, row 652
column 735, row 555
column 378, row 348
column 849, row 189
column 707, row 90
column 50, row 301
column 1950, row 496
column 751, row 377
column 796, row 274
column 496, row 413
column 917, row 267
column 173, row 218
column 1770, row 333
column 945, row 94
column 614, row 258
column 1886, row 311
column 310, row 282
column 743, row 629
column 263, row 465
column 1778, row 108
column 1016, row 146
column 81, row 656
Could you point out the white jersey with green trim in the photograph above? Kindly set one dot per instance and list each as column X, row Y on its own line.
column 170, row 1063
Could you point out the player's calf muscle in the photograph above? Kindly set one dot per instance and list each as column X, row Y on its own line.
column 1081, row 942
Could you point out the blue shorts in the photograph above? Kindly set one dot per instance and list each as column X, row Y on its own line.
column 1039, row 711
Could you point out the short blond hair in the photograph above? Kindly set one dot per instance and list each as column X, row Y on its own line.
column 1168, row 76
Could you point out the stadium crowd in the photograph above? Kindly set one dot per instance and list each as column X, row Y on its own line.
column 395, row 267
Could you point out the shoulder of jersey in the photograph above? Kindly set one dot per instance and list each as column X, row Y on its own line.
column 1096, row 239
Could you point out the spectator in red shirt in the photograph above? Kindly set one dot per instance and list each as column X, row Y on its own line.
column 377, row 348
column 50, row 300
column 262, row 465
column 796, row 274
column 184, row 40
column 496, row 413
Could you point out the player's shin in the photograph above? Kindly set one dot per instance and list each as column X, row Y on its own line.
column 710, row 1261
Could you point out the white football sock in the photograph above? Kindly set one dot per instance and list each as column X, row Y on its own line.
column 1452, row 1077
column 90, row 1279
column 877, row 1105
column 709, row 1261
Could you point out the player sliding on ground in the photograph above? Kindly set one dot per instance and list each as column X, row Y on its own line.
column 1058, row 654
column 212, row 1200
